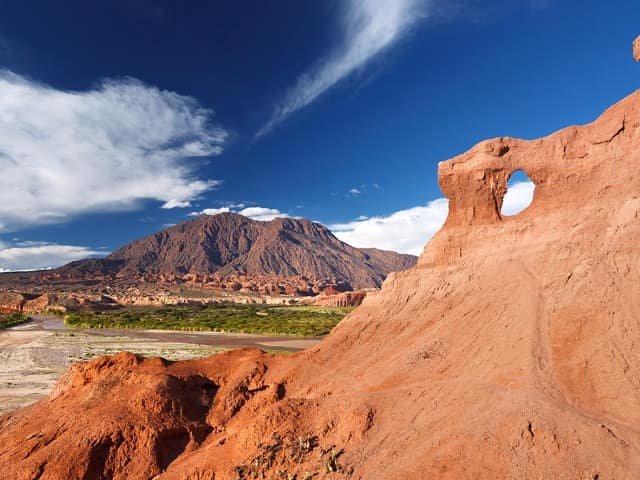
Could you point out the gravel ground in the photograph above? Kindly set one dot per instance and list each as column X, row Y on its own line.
column 31, row 361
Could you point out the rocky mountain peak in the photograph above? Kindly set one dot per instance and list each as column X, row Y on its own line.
column 228, row 244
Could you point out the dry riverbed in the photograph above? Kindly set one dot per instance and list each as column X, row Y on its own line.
column 34, row 355
column 32, row 361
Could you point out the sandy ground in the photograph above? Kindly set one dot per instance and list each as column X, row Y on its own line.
column 34, row 355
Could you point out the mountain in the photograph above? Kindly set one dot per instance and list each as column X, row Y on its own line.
column 229, row 244
column 509, row 351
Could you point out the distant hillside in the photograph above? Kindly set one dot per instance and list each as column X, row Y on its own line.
column 229, row 244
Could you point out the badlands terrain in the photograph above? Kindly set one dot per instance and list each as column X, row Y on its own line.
column 509, row 351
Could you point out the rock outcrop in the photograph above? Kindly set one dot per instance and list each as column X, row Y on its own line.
column 636, row 49
column 509, row 351
column 12, row 302
column 24, row 302
column 345, row 299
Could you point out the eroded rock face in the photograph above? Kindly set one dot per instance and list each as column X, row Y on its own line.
column 509, row 351
column 345, row 299
column 24, row 302
column 636, row 49
column 507, row 324
column 12, row 302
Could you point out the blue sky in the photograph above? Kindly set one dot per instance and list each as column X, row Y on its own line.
column 119, row 118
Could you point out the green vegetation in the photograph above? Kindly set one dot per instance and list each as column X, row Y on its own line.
column 10, row 319
column 251, row 318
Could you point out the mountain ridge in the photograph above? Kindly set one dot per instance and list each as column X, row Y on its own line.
column 229, row 244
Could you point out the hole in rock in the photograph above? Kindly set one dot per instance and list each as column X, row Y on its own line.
column 519, row 193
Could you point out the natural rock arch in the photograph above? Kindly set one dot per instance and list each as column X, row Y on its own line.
column 519, row 195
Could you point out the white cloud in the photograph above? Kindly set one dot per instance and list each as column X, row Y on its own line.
column 355, row 191
column 518, row 197
column 176, row 204
column 41, row 255
column 405, row 231
column 65, row 153
column 261, row 213
column 369, row 27
column 210, row 211
column 256, row 213
column 408, row 231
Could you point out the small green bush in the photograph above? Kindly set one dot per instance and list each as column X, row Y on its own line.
column 10, row 319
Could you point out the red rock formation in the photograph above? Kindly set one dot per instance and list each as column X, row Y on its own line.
column 23, row 302
column 509, row 351
column 11, row 302
column 344, row 299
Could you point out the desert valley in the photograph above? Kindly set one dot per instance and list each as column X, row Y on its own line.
column 237, row 345
column 162, row 284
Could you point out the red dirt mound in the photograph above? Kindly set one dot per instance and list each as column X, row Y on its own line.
column 510, row 351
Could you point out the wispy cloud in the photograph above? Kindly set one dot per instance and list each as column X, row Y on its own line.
column 407, row 231
column 41, row 255
column 369, row 27
column 175, row 203
column 263, row 214
column 359, row 190
column 66, row 153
